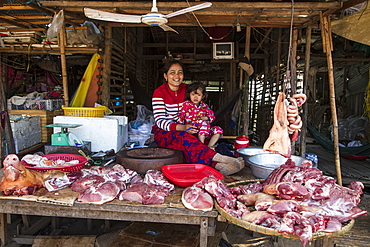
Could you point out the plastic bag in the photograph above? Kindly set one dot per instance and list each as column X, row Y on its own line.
column 140, row 129
column 56, row 25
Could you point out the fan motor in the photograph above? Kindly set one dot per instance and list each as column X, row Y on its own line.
column 154, row 19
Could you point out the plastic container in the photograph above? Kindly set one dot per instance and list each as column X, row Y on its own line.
column 83, row 111
column 185, row 175
column 241, row 142
column 67, row 157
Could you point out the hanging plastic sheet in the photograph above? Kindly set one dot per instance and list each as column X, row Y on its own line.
column 80, row 95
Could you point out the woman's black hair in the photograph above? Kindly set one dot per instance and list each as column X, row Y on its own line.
column 168, row 65
column 193, row 87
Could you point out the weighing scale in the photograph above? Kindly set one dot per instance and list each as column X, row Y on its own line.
column 65, row 138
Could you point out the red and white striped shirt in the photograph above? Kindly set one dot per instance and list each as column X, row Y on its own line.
column 166, row 106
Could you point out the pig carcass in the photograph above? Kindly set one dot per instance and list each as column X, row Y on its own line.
column 17, row 179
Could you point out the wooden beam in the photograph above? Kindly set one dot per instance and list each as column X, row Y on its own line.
column 178, row 5
column 13, row 23
column 37, row 7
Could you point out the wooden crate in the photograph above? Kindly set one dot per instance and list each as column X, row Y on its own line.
column 46, row 117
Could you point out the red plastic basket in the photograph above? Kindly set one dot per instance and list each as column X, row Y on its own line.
column 67, row 157
column 185, row 175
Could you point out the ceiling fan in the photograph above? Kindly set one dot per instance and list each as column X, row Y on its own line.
column 154, row 18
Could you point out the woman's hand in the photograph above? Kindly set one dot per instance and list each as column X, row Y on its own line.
column 204, row 118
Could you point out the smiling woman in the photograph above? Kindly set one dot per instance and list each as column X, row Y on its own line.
column 167, row 100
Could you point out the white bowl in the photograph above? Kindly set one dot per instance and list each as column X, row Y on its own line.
column 263, row 164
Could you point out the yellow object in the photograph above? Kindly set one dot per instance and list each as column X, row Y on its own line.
column 83, row 111
column 107, row 111
column 80, row 96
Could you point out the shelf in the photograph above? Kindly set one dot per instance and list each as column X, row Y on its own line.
column 47, row 49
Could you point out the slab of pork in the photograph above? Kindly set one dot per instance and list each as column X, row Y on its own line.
column 279, row 140
column 195, row 198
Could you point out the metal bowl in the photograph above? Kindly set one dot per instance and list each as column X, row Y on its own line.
column 248, row 152
column 263, row 164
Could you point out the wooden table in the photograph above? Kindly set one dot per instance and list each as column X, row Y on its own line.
column 172, row 211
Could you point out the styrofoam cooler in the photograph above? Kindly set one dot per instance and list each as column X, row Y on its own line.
column 104, row 134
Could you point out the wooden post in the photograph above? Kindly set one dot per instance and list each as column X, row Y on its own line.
column 7, row 130
column 63, row 61
column 125, row 68
column 246, row 88
column 302, row 146
column 3, row 230
column 328, row 47
column 107, row 66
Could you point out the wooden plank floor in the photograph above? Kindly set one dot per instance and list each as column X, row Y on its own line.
column 352, row 170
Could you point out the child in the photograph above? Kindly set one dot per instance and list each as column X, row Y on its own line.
column 195, row 112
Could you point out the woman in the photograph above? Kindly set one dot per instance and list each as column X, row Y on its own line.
column 167, row 100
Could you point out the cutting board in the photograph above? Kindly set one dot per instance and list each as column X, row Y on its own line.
column 61, row 197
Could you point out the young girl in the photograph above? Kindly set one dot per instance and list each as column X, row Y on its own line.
column 195, row 112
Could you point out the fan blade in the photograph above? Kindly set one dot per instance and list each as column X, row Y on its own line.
column 108, row 16
column 167, row 28
column 189, row 9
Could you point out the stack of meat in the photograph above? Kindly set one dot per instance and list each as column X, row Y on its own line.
column 293, row 200
column 98, row 185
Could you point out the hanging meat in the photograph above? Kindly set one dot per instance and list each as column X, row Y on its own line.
column 295, row 121
column 278, row 141
column 287, row 124
column 17, row 179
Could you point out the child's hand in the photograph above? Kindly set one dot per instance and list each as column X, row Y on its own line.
column 191, row 129
column 204, row 118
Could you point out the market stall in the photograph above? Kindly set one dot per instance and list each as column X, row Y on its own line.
column 172, row 211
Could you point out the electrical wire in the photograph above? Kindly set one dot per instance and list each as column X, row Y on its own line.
column 200, row 25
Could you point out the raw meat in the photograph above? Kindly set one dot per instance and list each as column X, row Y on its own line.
column 99, row 193
column 60, row 180
column 282, row 207
column 155, row 177
column 223, row 195
column 328, row 206
column 195, row 198
column 288, row 191
column 19, row 180
column 261, row 201
column 155, row 195
column 86, row 182
column 268, row 220
column 252, row 216
column 278, row 140
column 134, row 193
column 143, row 193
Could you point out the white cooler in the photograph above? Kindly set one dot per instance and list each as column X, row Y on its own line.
column 104, row 134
